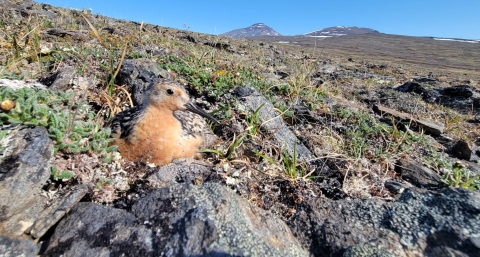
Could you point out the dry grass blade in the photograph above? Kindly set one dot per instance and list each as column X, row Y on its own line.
column 119, row 65
column 128, row 95
column 109, row 102
column 94, row 30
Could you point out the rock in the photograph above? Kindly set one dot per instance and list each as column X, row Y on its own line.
column 63, row 79
column 473, row 167
column 66, row 33
column 328, row 69
column 419, row 223
column 460, row 97
column 476, row 102
column 138, row 74
column 218, row 45
column 181, row 220
column 181, row 171
column 10, row 247
column 17, row 84
column 429, row 127
column 24, row 169
column 417, row 174
column 477, row 147
column 91, row 229
column 458, row 91
column 395, row 187
column 189, row 38
column 60, row 206
column 429, row 96
column 461, row 150
column 426, row 80
column 272, row 121
column 282, row 74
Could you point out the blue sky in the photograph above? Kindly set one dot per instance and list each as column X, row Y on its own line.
column 438, row 18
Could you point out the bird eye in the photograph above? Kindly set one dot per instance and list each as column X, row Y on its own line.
column 169, row 91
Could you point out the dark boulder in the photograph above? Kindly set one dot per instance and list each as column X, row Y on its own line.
column 138, row 74
column 180, row 220
column 419, row 223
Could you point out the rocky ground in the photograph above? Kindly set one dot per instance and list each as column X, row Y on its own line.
column 318, row 154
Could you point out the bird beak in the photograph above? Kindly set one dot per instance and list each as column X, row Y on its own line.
column 195, row 109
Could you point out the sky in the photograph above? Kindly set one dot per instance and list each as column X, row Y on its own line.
column 435, row 18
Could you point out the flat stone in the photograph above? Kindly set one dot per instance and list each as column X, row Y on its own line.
column 89, row 228
column 429, row 127
column 67, row 33
column 182, row 171
column 395, row 187
column 51, row 215
column 272, row 122
column 417, row 174
column 17, row 84
column 23, row 172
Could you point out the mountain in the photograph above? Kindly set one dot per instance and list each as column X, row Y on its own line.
column 257, row 29
column 340, row 31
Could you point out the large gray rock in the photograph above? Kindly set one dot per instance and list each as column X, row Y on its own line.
column 419, row 223
column 181, row 220
column 272, row 121
column 11, row 247
column 24, row 169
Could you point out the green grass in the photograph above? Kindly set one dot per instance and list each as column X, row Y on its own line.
column 236, row 142
column 206, row 77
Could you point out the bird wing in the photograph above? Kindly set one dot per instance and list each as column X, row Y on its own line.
column 194, row 125
column 123, row 123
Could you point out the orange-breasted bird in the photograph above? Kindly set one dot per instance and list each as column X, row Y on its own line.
column 160, row 130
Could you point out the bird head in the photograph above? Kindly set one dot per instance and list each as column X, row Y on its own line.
column 170, row 95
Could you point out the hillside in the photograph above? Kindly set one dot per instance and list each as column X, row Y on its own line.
column 346, row 146
column 340, row 31
column 421, row 52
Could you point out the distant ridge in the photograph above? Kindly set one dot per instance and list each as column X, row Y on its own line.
column 257, row 29
column 340, row 31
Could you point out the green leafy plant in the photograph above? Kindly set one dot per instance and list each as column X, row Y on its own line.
column 102, row 183
column 289, row 165
column 74, row 129
column 3, row 133
column 253, row 121
column 61, row 176
column 461, row 177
